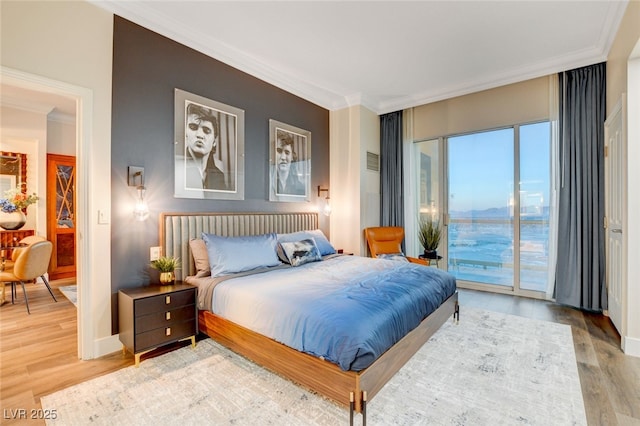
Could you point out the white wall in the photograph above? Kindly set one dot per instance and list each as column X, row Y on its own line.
column 61, row 137
column 355, row 192
column 623, row 76
column 344, row 175
column 370, row 180
column 631, row 339
column 71, row 43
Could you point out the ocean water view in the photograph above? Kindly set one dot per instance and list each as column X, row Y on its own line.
column 481, row 250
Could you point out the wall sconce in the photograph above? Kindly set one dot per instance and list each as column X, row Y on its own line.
column 136, row 178
column 327, row 206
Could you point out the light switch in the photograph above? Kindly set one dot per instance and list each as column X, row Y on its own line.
column 103, row 217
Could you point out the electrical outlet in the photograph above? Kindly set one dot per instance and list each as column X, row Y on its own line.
column 154, row 253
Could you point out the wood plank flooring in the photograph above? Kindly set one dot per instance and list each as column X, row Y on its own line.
column 38, row 353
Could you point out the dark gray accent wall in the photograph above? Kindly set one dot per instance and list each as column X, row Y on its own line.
column 147, row 67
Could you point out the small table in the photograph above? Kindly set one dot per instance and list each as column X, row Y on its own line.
column 431, row 259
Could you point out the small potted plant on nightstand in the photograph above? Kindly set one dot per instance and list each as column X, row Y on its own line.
column 429, row 233
column 166, row 266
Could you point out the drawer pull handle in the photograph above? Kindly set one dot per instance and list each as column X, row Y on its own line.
column 167, row 300
column 167, row 316
column 168, row 331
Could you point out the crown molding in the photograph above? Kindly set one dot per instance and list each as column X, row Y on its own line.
column 24, row 105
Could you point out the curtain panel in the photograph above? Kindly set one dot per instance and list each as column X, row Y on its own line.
column 580, row 269
column 391, row 170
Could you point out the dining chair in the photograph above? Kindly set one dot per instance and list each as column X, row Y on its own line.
column 26, row 241
column 31, row 263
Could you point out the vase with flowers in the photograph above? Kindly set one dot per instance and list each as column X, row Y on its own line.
column 12, row 207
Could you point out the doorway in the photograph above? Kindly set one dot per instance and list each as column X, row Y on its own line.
column 83, row 101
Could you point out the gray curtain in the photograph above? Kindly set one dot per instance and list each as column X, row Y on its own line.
column 391, row 171
column 580, row 271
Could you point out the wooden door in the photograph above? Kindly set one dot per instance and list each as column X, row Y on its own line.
column 61, row 215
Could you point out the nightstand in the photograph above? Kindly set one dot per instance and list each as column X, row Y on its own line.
column 157, row 315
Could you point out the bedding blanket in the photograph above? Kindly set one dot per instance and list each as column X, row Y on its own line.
column 345, row 309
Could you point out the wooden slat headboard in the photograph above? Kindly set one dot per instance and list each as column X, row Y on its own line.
column 176, row 229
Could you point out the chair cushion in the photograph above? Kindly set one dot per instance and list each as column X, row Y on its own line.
column 393, row 256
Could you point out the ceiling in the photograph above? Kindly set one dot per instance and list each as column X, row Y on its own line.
column 386, row 55
column 57, row 107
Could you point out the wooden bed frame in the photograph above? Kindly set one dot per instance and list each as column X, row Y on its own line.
column 348, row 388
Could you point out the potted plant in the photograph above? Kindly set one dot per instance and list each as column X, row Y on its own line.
column 429, row 233
column 166, row 266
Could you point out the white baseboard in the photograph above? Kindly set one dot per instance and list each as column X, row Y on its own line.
column 631, row 346
column 106, row 346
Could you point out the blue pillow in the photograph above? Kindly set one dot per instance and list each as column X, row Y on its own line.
column 229, row 255
column 324, row 246
column 298, row 253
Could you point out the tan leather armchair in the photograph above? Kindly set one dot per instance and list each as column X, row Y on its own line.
column 387, row 240
column 32, row 262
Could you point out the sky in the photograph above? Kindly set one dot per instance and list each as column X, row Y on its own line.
column 481, row 168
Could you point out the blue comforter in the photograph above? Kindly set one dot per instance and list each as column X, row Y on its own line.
column 346, row 309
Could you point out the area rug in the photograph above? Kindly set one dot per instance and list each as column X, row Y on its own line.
column 70, row 292
column 490, row 369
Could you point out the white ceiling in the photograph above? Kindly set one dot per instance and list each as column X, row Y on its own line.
column 57, row 107
column 386, row 55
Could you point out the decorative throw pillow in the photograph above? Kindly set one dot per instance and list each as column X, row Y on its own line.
column 323, row 244
column 393, row 256
column 298, row 253
column 200, row 257
column 230, row 255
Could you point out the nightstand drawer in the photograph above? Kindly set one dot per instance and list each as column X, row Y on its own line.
column 164, row 319
column 160, row 336
column 164, row 302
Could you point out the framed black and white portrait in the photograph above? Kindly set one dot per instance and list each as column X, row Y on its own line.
column 209, row 148
column 289, row 163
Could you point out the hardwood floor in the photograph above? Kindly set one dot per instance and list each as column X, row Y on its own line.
column 38, row 353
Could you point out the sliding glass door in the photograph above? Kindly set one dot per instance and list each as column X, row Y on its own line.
column 498, row 207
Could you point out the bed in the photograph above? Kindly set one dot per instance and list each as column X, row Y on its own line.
column 347, row 381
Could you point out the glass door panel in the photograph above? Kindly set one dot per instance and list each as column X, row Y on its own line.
column 480, row 204
column 428, row 184
column 534, row 206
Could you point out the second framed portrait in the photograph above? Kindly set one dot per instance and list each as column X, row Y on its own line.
column 209, row 148
column 289, row 163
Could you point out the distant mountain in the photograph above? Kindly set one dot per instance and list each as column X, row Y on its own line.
column 493, row 213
